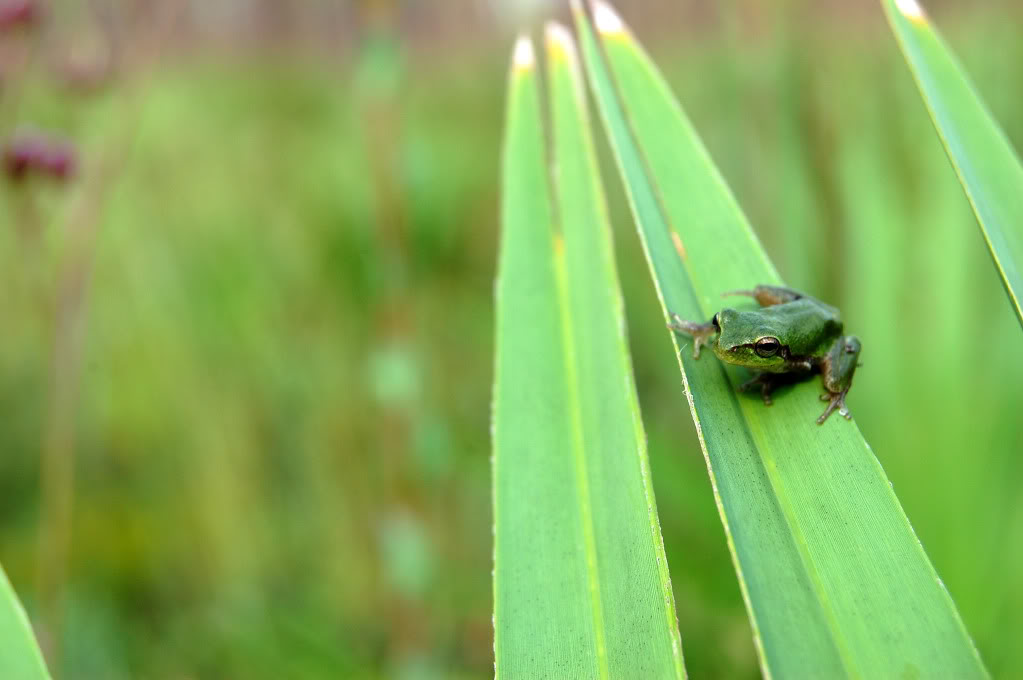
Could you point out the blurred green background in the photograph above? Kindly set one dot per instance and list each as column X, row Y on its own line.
column 245, row 354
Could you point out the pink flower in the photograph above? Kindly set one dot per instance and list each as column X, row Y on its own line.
column 15, row 12
column 33, row 152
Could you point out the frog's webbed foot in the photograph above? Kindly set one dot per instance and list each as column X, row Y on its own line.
column 837, row 401
column 700, row 332
column 766, row 383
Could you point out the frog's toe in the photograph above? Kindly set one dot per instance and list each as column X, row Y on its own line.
column 698, row 342
column 763, row 381
column 842, row 408
column 836, row 401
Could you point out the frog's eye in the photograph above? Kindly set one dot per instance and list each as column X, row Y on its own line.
column 767, row 347
column 717, row 326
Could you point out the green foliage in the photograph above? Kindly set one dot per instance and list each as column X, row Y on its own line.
column 19, row 654
column 982, row 155
column 580, row 580
column 277, row 477
column 835, row 579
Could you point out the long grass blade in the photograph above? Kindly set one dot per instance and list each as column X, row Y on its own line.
column 987, row 166
column 835, row 581
column 581, row 583
column 19, row 654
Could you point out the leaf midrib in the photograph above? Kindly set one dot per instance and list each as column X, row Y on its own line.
column 809, row 564
column 579, row 453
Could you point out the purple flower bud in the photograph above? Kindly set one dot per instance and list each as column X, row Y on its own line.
column 32, row 152
column 16, row 163
column 18, row 12
column 58, row 160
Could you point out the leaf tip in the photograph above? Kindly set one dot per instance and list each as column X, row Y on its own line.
column 912, row 10
column 559, row 41
column 523, row 58
column 606, row 20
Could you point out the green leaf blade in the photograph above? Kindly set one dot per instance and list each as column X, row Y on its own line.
column 19, row 653
column 835, row 581
column 988, row 167
column 528, row 622
column 581, row 582
column 633, row 571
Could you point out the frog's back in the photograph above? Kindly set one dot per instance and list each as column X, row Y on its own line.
column 805, row 325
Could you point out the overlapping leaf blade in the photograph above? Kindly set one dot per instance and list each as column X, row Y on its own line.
column 984, row 160
column 580, row 582
column 836, row 583
column 19, row 654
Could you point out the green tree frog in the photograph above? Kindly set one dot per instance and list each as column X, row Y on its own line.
column 792, row 336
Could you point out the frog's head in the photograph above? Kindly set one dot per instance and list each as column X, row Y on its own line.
column 746, row 340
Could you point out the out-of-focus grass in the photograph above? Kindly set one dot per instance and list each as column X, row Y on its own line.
column 271, row 479
column 283, row 433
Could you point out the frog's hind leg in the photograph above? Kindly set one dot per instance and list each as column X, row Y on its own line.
column 767, row 296
column 837, row 374
column 700, row 332
column 765, row 381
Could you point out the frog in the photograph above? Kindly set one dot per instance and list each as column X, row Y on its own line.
column 791, row 337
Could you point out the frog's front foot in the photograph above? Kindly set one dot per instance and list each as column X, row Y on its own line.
column 700, row 332
column 765, row 382
column 837, row 400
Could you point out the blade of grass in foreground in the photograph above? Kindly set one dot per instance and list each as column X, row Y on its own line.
column 580, row 579
column 19, row 654
column 984, row 160
column 835, row 581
